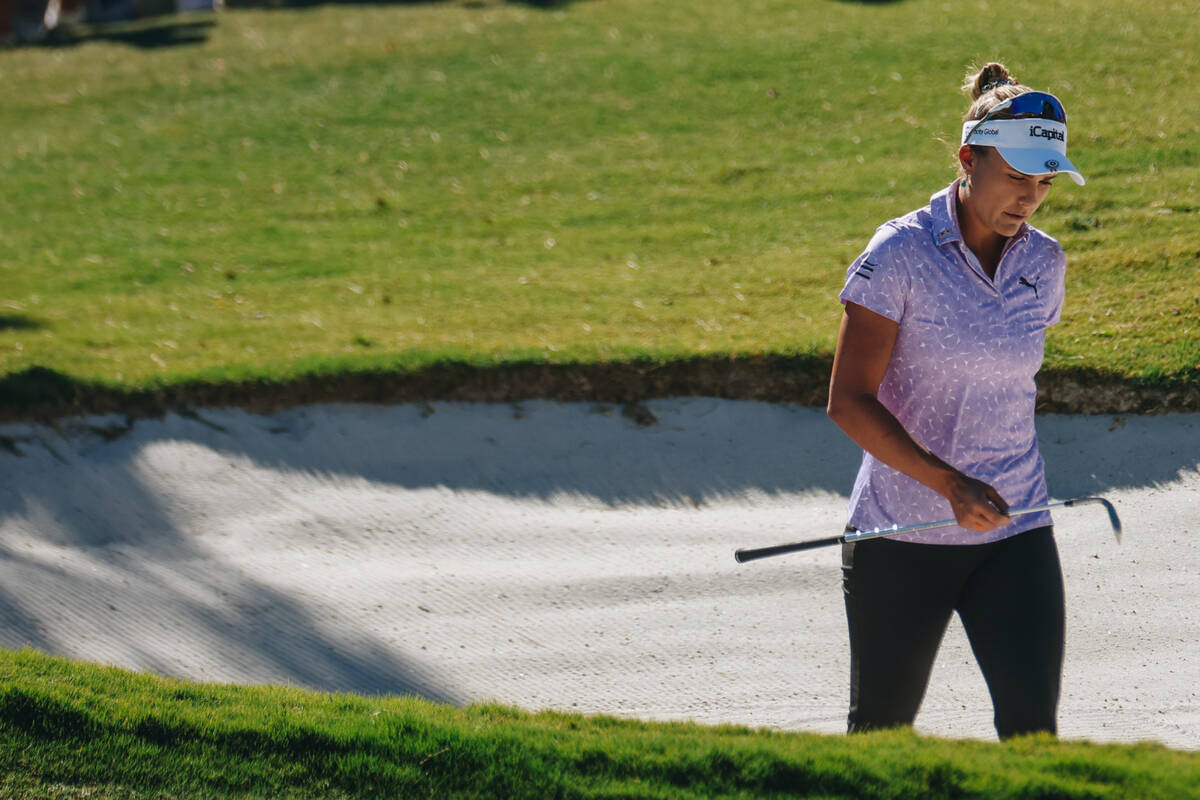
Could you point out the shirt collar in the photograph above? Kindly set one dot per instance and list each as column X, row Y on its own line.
column 945, row 216
column 944, row 208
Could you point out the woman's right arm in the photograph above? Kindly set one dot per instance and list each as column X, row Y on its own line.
column 864, row 350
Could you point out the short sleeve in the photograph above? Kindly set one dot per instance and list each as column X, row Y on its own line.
column 1054, row 304
column 878, row 279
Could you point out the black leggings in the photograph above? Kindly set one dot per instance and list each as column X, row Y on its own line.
column 1009, row 595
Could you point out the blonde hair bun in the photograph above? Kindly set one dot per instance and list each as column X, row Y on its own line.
column 979, row 82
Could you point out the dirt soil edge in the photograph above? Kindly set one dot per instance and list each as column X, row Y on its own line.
column 43, row 394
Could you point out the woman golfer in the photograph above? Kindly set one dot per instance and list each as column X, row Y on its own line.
column 945, row 313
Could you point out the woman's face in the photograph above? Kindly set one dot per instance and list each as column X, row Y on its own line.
column 998, row 196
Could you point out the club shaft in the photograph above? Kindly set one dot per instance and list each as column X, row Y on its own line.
column 858, row 536
column 752, row 554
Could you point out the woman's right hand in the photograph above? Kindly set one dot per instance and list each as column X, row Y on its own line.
column 977, row 506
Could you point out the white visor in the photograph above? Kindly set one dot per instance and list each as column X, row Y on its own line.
column 1030, row 146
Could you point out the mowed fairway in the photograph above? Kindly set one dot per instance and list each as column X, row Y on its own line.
column 348, row 188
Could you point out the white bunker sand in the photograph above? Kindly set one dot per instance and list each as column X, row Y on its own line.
column 559, row 556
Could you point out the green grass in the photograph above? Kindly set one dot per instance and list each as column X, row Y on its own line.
column 382, row 188
column 70, row 730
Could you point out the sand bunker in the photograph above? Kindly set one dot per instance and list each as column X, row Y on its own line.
column 569, row 556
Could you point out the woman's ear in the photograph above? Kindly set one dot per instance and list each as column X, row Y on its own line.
column 966, row 159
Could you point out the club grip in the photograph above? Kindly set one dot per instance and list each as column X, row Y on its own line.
column 752, row 554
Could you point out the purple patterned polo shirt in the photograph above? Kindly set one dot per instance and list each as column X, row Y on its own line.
column 961, row 376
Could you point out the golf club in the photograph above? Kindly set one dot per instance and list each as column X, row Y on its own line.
column 751, row 554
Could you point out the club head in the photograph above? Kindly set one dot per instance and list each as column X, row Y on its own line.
column 1113, row 519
